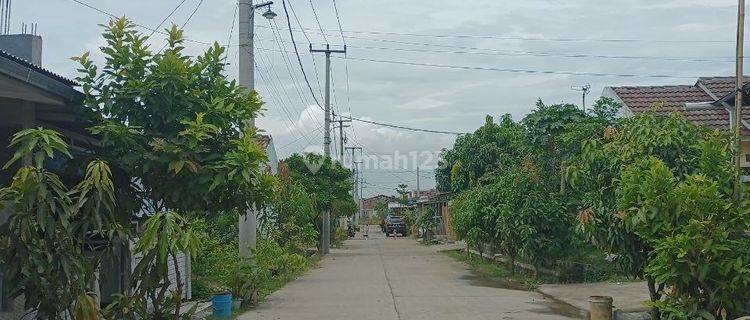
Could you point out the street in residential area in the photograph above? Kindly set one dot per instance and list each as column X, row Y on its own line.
column 398, row 278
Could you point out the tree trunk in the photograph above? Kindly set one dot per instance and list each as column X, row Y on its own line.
column 655, row 295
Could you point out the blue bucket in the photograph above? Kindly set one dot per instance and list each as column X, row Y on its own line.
column 222, row 305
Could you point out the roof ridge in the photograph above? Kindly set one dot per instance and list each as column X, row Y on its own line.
column 38, row 68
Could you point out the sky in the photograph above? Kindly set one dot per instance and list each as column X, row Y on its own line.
column 511, row 53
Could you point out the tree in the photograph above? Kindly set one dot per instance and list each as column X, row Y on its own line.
column 595, row 176
column 177, row 130
column 174, row 124
column 327, row 182
column 42, row 243
column 293, row 212
column 696, row 229
column 492, row 147
column 403, row 193
column 166, row 235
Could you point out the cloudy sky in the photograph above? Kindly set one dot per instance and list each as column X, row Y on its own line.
column 552, row 45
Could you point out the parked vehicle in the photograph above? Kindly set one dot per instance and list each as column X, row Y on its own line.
column 394, row 225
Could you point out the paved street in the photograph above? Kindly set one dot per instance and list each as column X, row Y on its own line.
column 384, row 278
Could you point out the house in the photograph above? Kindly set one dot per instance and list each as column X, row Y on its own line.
column 708, row 102
column 32, row 96
column 368, row 205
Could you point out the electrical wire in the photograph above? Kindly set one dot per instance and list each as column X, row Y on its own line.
column 505, row 52
column 167, row 17
column 315, row 14
column 296, row 52
column 231, row 29
column 521, row 38
column 191, row 15
column 135, row 23
column 530, row 71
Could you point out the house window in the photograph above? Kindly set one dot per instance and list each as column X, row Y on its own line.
column 747, row 157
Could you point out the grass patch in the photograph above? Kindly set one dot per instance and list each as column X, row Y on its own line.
column 491, row 270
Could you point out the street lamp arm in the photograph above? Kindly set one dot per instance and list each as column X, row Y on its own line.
column 261, row 5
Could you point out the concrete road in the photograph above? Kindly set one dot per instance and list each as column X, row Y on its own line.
column 398, row 279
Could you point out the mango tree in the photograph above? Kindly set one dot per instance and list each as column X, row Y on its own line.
column 177, row 129
column 42, row 245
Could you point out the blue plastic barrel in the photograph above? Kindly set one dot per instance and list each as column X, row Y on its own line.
column 222, row 305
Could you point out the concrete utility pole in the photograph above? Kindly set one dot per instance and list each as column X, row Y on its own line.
column 738, row 101
column 355, row 186
column 248, row 222
column 418, row 191
column 341, row 127
column 325, row 245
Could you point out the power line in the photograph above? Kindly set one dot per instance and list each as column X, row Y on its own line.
column 231, row 29
column 403, row 127
column 192, row 14
column 521, row 38
column 135, row 23
column 287, row 62
column 296, row 52
column 513, row 70
column 505, row 52
column 338, row 19
column 518, row 53
column 315, row 14
column 167, row 17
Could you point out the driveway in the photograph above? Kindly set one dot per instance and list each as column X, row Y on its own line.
column 399, row 279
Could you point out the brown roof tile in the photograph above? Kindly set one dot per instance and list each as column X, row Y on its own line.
column 662, row 99
column 719, row 86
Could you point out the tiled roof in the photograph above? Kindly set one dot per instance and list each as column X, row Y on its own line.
column 719, row 86
column 692, row 101
column 39, row 69
column 662, row 99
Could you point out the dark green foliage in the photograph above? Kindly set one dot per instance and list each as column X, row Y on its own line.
column 174, row 123
column 42, row 245
column 493, row 147
column 328, row 183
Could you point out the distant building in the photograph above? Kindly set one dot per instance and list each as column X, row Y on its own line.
column 368, row 204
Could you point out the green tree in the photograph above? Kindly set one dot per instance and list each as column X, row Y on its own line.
column 403, row 193
column 327, row 182
column 696, row 229
column 174, row 123
column 42, row 243
column 492, row 147
column 178, row 131
column 595, row 176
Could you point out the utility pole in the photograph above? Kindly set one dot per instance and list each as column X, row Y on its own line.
column 738, row 101
column 248, row 222
column 341, row 127
column 355, row 185
column 326, row 236
column 418, row 191
column 585, row 90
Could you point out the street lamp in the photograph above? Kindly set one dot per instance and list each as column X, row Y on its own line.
column 269, row 14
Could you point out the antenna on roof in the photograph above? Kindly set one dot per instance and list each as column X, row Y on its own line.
column 585, row 89
column 5, row 6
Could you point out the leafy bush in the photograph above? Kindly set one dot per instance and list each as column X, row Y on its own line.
column 42, row 243
column 697, row 230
